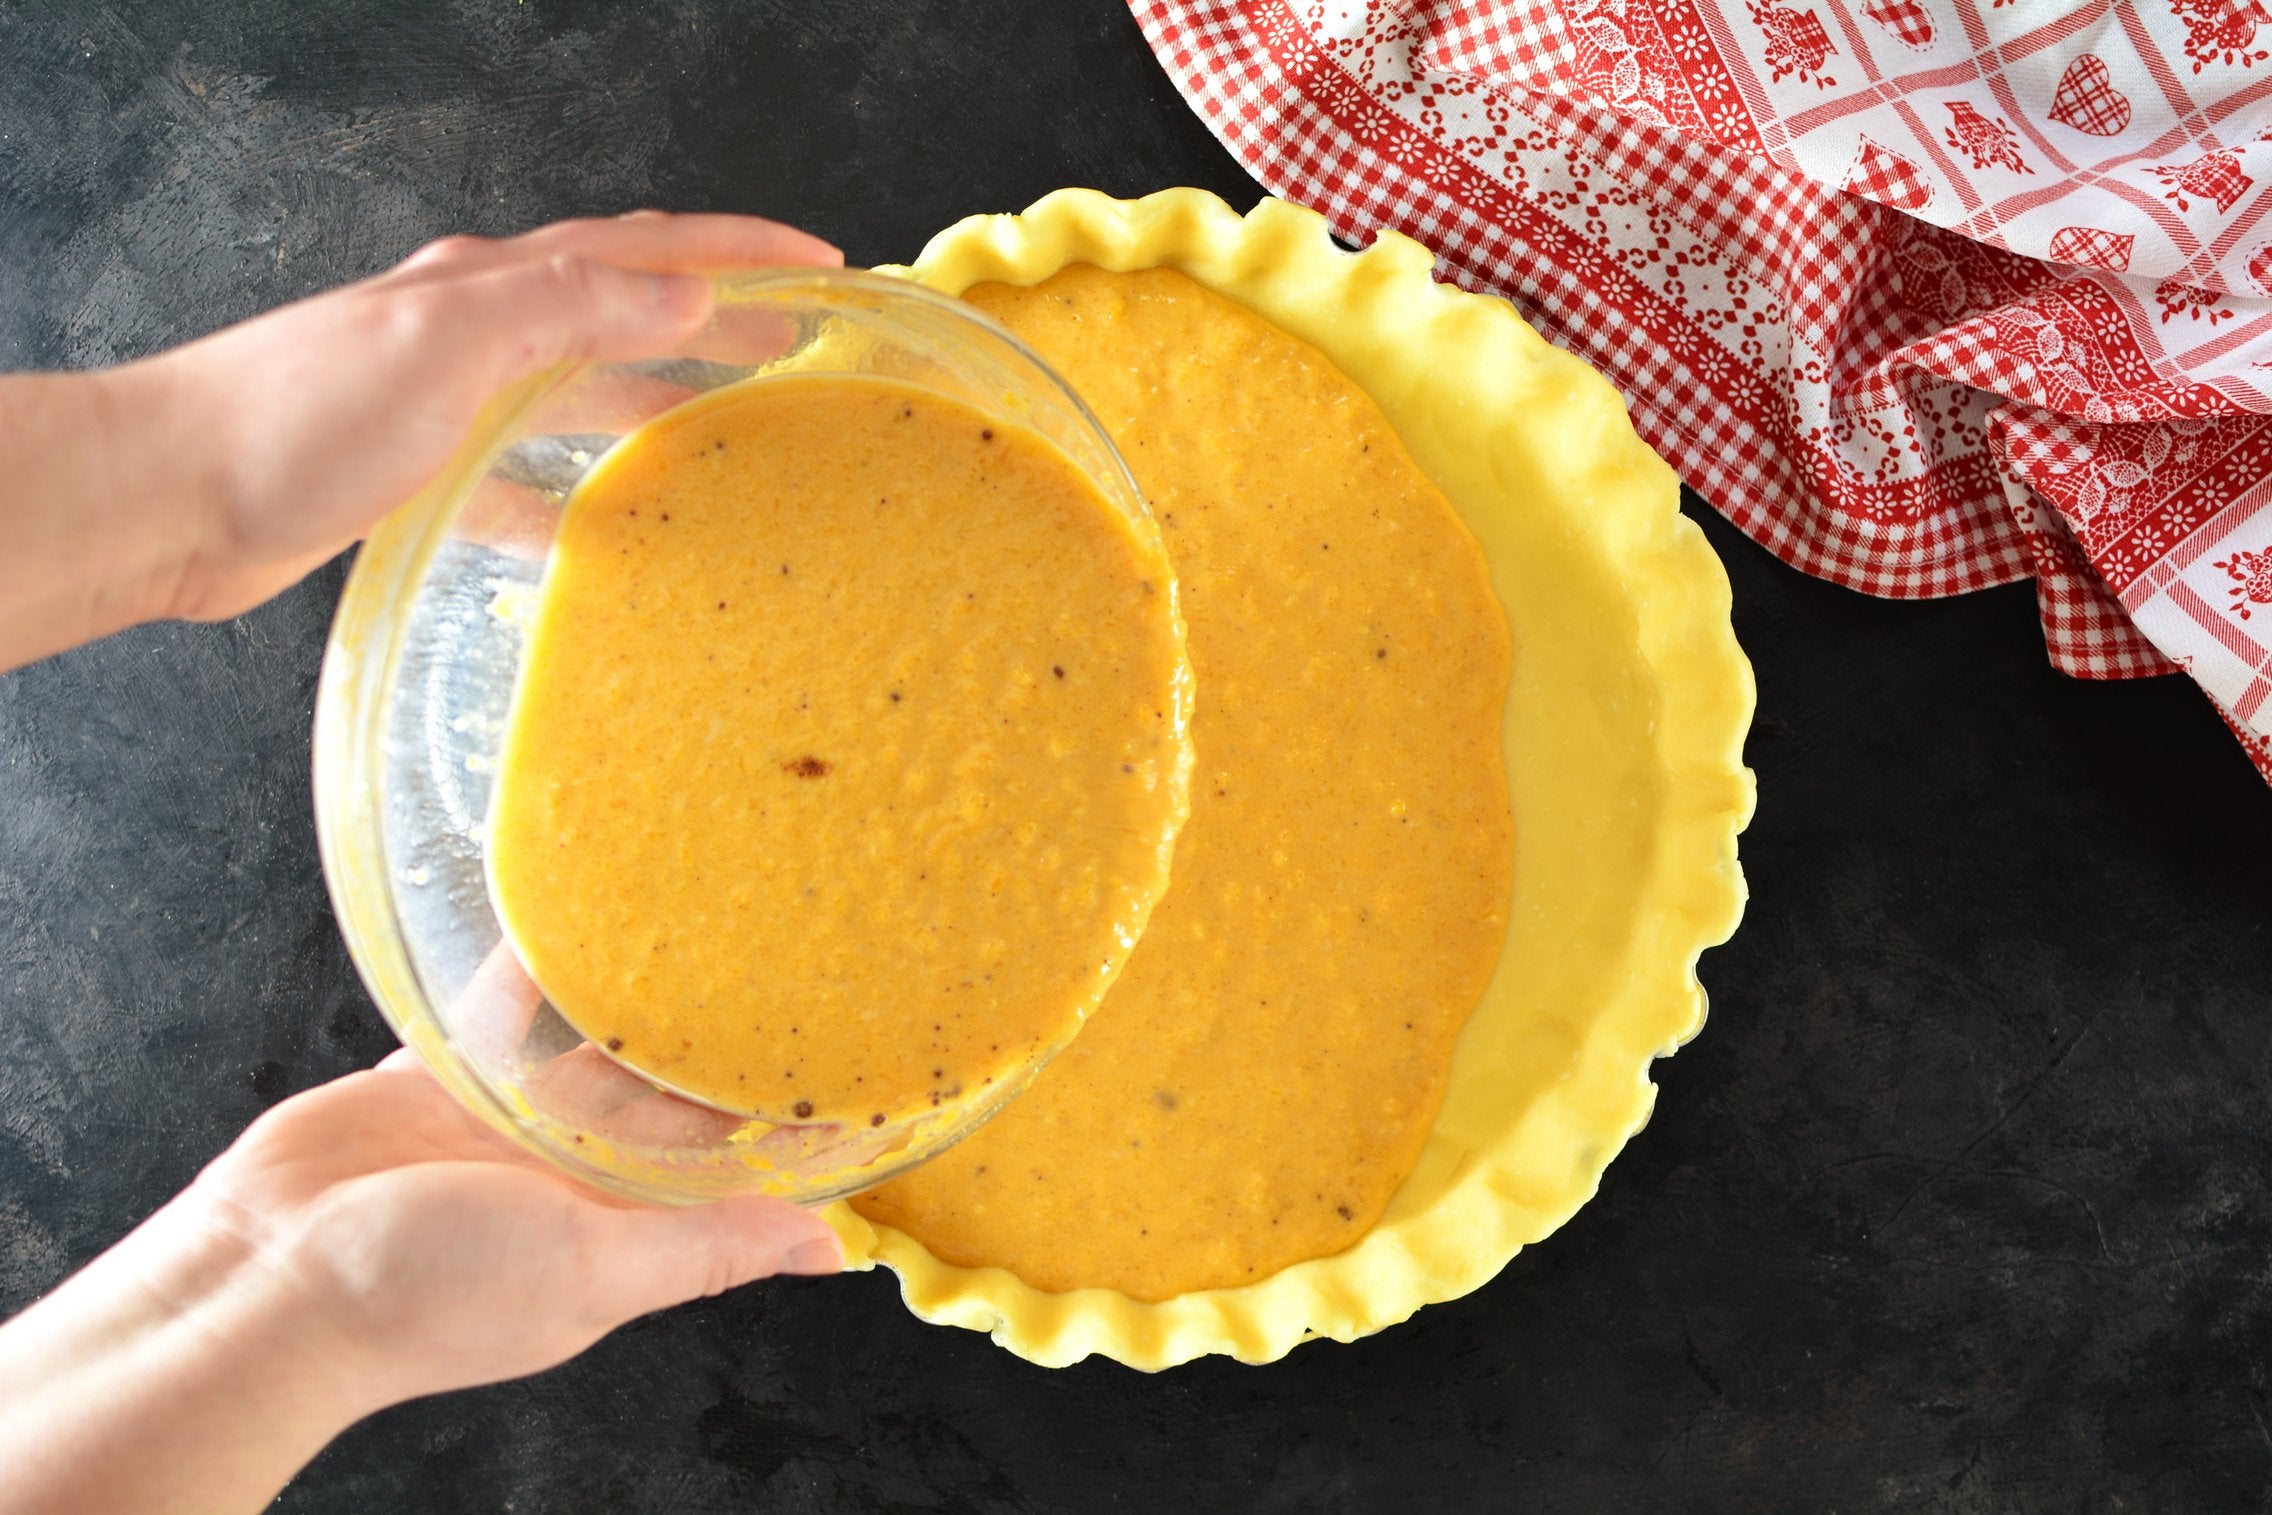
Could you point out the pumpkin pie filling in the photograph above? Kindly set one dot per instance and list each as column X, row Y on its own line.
column 842, row 768
column 1263, row 1075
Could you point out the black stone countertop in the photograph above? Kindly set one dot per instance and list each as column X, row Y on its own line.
column 1962, row 1201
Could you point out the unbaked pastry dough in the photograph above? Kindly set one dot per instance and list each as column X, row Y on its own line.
column 1624, row 729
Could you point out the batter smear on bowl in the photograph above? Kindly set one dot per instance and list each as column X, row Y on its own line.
column 1262, row 1078
column 844, row 767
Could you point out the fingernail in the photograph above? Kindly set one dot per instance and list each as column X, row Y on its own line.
column 822, row 1254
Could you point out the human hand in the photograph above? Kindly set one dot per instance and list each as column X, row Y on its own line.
column 424, row 1252
column 361, row 1244
column 199, row 482
column 323, row 415
column 585, row 1089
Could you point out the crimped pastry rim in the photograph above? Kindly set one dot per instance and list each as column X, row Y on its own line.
column 1580, row 521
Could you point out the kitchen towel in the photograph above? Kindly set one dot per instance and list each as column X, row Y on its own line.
column 1923, row 295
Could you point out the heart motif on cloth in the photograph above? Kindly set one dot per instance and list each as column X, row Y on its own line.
column 2092, row 247
column 2260, row 267
column 2087, row 99
column 1909, row 21
column 1887, row 177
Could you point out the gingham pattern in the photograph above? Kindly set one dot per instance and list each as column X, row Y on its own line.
column 2173, row 79
column 1883, row 175
column 1880, row 401
column 2086, row 633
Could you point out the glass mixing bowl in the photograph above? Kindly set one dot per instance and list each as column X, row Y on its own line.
column 418, row 681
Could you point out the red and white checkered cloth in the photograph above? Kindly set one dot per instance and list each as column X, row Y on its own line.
column 1924, row 295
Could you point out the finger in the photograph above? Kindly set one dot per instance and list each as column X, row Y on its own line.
column 512, row 519
column 638, row 1261
column 664, row 1120
column 492, row 1013
column 385, row 1117
column 658, row 243
column 502, row 324
column 810, row 1149
column 430, row 1124
column 585, row 1087
column 606, row 404
column 744, row 335
column 645, row 241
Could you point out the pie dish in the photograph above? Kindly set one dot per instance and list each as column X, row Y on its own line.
column 1624, row 725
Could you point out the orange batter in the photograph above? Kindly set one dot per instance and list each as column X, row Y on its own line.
column 1262, row 1077
column 839, row 775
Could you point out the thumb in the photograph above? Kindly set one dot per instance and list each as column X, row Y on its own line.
column 639, row 1259
column 529, row 314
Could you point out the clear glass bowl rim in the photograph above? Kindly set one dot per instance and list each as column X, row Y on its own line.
column 355, row 685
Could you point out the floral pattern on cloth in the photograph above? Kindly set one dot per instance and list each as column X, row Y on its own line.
column 1925, row 296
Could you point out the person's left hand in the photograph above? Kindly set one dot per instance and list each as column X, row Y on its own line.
column 199, row 482
column 422, row 1251
column 321, row 416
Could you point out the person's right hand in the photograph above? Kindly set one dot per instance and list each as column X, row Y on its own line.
column 362, row 1243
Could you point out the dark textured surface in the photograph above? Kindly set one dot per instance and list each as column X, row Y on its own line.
column 1961, row 1202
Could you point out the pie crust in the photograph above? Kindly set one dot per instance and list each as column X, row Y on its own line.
column 1625, row 723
